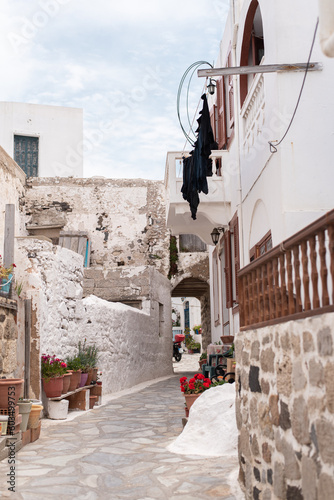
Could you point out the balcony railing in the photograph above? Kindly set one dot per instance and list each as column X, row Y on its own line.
column 214, row 208
column 291, row 281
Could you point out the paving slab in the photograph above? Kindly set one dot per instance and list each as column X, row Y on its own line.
column 118, row 451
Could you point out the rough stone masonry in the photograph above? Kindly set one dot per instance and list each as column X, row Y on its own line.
column 285, row 410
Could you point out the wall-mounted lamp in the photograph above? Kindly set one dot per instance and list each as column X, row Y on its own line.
column 211, row 87
column 215, row 234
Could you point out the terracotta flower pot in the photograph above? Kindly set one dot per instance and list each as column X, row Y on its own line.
column 83, row 379
column 75, row 380
column 53, row 388
column 190, row 399
column 67, row 381
column 92, row 376
column 34, row 416
column 10, row 391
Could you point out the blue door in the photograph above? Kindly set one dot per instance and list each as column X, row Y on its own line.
column 26, row 154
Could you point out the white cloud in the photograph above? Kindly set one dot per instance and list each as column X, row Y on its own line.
column 120, row 61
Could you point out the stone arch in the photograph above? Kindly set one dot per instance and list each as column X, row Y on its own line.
column 260, row 224
column 190, row 286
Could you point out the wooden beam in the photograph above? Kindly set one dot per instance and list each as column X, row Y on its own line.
column 27, row 341
column 8, row 250
column 264, row 68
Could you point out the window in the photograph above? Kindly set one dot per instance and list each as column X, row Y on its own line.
column 252, row 49
column 222, row 114
column 232, row 262
column 26, row 154
column 225, row 315
column 263, row 246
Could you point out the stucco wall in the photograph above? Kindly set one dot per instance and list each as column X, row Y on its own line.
column 285, row 409
column 135, row 345
column 8, row 338
column 114, row 213
column 12, row 181
column 60, row 133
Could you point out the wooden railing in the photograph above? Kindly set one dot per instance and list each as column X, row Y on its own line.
column 293, row 280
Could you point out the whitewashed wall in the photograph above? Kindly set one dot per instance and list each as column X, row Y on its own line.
column 283, row 191
column 135, row 345
column 60, row 133
column 12, row 181
column 114, row 212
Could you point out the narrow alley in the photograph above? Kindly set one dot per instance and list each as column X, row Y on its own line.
column 118, row 451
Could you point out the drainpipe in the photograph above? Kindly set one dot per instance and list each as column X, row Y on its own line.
column 236, row 98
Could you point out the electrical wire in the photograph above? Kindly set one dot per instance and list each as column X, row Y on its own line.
column 273, row 149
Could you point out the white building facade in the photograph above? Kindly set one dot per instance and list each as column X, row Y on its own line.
column 265, row 192
column 45, row 141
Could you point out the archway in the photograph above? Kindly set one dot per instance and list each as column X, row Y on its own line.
column 198, row 288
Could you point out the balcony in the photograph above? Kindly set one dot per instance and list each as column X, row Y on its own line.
column 214, row 208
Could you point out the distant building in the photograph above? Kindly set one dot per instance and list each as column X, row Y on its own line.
column 45, row 141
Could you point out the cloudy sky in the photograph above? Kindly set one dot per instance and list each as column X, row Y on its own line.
column 120, row 61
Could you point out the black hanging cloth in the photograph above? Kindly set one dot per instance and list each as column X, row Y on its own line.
column 198, row 166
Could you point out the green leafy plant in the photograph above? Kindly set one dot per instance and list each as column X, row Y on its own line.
column 6, row 271
column 74, row 363
column 18, row 288
column 203, row 356
column 52, row 367
column 173, row 257
column 191, row 344
column 88, row 354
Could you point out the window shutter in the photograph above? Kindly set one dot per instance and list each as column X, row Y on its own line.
column 221, row 108
column 236, row 255
column 228, row 269
column 230, row 91
column 215, row 287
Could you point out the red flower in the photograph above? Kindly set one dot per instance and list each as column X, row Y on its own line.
column 206, row 385
column 199, row 376
column 191, row 386
column 192, row 381
column 207, row 381
column 182, row 388
column 183, row 380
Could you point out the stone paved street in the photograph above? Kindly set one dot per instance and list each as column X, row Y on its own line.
column 118, row 451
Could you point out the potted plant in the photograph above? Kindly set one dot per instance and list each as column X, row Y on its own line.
column 99, row 378
column 203, row 359
column 74, row 365
column 197, row 329
column 53, row 370
column 89, row 356
column 194, row 388
column 6, row 276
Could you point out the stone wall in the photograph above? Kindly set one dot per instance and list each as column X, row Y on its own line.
column 135, row 345
column 285, row 410
column 12, row 182
column 125, row 219
column 8, row 337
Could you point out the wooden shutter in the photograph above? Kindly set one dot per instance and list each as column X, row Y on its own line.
column 235, row 229
column 221, row 110
column 215, row 287
column 228, row 269
column 230, row 91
